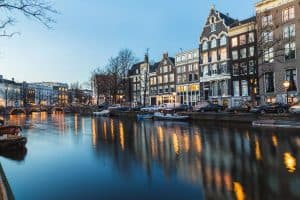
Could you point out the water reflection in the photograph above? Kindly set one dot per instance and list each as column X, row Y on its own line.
column 225, row 162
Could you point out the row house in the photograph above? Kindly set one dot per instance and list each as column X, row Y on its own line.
column 243, row 61
column 187, row 77
column 279, row 44
column 139, row 82
column 10, row 93
column 215, row 76
column 37, row 94
column 166, row 85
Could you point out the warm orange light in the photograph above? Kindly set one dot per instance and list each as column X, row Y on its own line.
column 239, row 192
column 290, row 162
column 257, row 150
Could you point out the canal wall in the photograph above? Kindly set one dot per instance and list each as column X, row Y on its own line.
column 222, row 117
column 5, row 190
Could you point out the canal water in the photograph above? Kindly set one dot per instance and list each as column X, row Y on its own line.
column 74, row 157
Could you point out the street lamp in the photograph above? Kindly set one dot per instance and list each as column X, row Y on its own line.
column 286, row 85
column 174, row 98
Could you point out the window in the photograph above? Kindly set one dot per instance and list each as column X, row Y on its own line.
column 235, row 69
column 252, row 68
column 212, row 27
column 171, row 78
column 234, row 42
column 214, row 43
column 234, row 55
column 178, row 59
column 183, row 58
column 268, row 55
column 166, row 78
column 290, row 51
column 165, row 69
column 289, row 31
column 179, row 78
column 205, row 70
column 205, row 58
column 196, row 68
column 205, row 45
column 178, row 70
column 214, row 56
column 288, row 14
column 159, row 79
column 196, row 77
column 243, row 67
column 183, row 69
column 267, row 36
column 223, row 68
column 243, row 39
column 223, row 40
column 160, row 89
column 243, row 53
column 291, row 76
column 244, row 84
column 251, row 37
column 267, row 20
column 223, row 54
column 190, row 56
column 190, row 68
column 269, row 82
column 251, row 51
column 166, row 88
column 190, row 77
column 214, row 69
column 236, row 88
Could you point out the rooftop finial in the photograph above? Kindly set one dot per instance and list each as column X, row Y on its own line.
column 213, row 7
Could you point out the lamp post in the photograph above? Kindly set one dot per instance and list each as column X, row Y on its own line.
column 286, row 85
column 174, row 98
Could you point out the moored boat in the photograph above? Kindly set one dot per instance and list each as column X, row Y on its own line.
column 10, row 130
column 170, row 116
column 144, row 116
column 103, row 113
column 8, row 142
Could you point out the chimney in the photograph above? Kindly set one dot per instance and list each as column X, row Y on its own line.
column 165, row 55
column 146, row 59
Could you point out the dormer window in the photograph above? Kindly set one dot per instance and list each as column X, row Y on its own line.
column 212, row 27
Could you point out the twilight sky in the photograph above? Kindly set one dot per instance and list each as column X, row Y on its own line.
column 89, row 32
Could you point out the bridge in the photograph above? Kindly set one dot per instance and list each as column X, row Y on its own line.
column 32, row 109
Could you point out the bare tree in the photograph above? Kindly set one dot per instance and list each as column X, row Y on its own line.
column 39, row 10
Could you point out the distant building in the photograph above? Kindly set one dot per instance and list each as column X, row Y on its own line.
column 187, row 77
column 243, row 61
column 37, row 94
column 278, row 28
column 215, row 80
column 10, row 93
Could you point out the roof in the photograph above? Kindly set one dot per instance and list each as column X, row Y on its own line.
column 134, row 67
column 228, row 20
column 245, row 21
column 154, row 67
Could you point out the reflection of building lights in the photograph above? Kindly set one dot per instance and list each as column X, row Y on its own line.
column 227, row 181
column 257, row 150
column 175, row 143
column 160, row 134
column 105, row 129
column 275, row 140
column 290, row 162
column 112, row 130
column 94, row 132
column 75, row 123
column 198, row 143
column 186, row 142
column 122, row 142
column 239, row 192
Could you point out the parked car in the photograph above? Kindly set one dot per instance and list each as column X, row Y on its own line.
column 270, row 108
column 183, row 107
column 210, row 107
column 295, row 108
column 243, row 107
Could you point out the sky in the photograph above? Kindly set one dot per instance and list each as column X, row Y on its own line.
column 89, row 32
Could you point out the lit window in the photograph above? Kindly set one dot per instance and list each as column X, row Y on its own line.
column 234, row 42
column 288, row 14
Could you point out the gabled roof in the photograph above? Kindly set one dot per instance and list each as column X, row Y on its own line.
column 134, row 67
column 154, row 67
